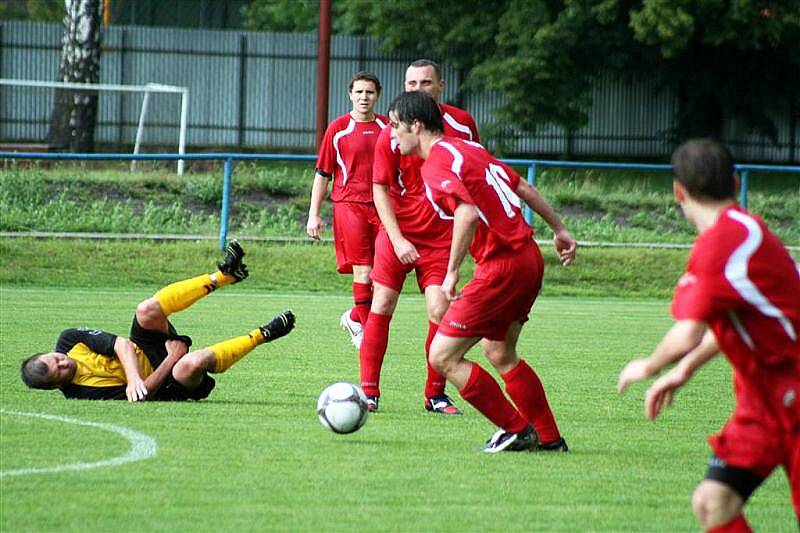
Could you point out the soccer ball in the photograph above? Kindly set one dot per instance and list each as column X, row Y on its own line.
column 342, row 407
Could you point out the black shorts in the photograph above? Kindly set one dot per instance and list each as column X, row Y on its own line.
column 152, row 343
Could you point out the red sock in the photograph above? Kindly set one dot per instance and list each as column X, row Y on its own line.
column 525, row 388
column 362, row 296
column 737, row 525
column 373, row 348
column 434, row 384
column 483, row 392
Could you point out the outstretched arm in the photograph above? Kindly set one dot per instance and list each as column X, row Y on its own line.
column 126, row 353
column 684, row 336
column 662, row 391
column 315, row 226
column 406, row 252
column 564, row 243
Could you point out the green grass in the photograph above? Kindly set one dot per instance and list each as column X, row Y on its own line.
column 637, row 273
column 271, row 199
column 253, row 457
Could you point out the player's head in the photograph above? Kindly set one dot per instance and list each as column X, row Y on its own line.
column 704, row 168
column 426, row 76
column 411, row 114
column 47, row 370
column 364, row 90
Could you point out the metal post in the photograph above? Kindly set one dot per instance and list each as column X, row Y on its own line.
column 532, row 181
column 226, row 198
column 182, row 136
column 140, row 129
column 743, row 192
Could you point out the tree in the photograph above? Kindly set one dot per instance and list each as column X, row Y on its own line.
column 723, row 59
column 74, row 115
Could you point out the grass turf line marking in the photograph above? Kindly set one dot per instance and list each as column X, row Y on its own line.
column 142, row 446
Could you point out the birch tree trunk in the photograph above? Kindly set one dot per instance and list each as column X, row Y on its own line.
column 74, row 113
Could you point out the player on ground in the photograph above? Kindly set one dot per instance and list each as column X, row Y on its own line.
column 483, row 197
column 740, row 294
column 153, row 364
column 415, row 235
column 345, row 156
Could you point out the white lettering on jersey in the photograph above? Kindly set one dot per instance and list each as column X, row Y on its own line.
column 457, row 125
column 736, row 274
column 351, row 125
column 498, row 179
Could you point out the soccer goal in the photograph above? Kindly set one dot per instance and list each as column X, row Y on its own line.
column 147, row 90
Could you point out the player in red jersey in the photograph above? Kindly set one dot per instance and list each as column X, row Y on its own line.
column 345, row 156
column 415, row 236
column 483, row 196
column 740, row 294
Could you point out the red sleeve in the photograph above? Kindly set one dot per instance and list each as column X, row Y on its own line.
column 386, row 161
column 704, row 290
column 326, row 159
column 473, row 128
column 445, row 186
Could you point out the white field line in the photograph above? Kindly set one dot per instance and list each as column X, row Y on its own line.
column 142, row 446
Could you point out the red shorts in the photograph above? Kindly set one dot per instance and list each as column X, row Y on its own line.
column 747, row 442
column 355, row 226
column 430, row 268
column 501, row 292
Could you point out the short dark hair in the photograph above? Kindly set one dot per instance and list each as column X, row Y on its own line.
column 419, row 63
column 417, row 105
column 364, row 75
column 704, row 167
column 34, row 373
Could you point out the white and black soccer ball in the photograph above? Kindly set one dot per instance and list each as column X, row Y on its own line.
column 342, row 407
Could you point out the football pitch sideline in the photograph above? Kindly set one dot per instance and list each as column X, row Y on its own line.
column 254, row 457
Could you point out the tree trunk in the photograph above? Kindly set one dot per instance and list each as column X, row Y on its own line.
column 74, row 114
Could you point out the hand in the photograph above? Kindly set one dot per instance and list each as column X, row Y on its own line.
column 315, row 227
column 136, row 390
column 176, row 348
column 662, row 392
column 449, row 286
column 406, row 252
column 634, row 371
column 566, row 246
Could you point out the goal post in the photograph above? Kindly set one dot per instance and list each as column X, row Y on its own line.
column 145, row 89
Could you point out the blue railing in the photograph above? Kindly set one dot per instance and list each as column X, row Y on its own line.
column 532, row 164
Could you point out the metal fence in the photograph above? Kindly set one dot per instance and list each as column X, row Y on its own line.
column 254, row 90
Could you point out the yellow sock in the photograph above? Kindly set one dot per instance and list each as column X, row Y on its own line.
column 230, row 351
column 180, row 295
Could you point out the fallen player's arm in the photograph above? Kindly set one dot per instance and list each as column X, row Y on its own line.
column 126, row 353
column 175, row 350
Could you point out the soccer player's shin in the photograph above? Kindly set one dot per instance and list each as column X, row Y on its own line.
column 373, row 348
column 737, row 525
column 228, row 352
column 483, row 392
column 180, row 295
column 525, row 388
column 362, row 296
column 435, row 382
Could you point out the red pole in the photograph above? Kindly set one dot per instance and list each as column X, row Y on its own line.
column 323, row 67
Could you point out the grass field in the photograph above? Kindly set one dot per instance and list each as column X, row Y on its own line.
column 253, row 457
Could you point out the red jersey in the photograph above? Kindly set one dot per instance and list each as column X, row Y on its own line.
column 420, row 219
column 463, row 171
column 346, row 155
column 742, row 282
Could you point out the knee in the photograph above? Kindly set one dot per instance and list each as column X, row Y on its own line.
column 149, row 314
column 439, row 358
column 189, row 368
column 436, row 311
column 715, row 504
column 501, row 357
column 383, row 303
